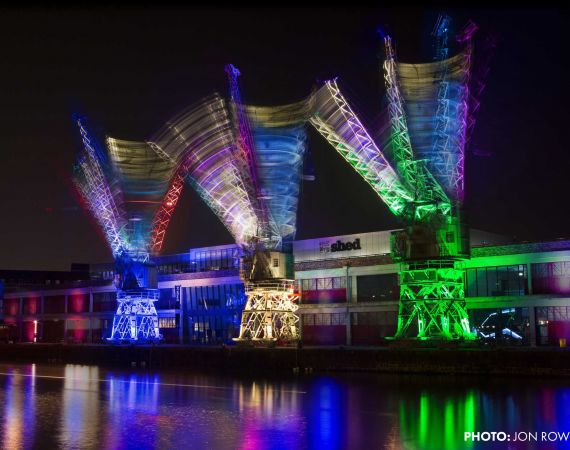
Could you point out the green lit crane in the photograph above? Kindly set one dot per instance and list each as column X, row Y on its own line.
column 422, row 179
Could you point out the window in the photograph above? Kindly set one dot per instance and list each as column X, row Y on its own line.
column 324, row 319
column 551, row 278
column 322, row 284
column 337, row 319
column 376, row 288
column 496, row 281
column 503, row 324
column 166, row 299
column 275, row 262
column 104, row 301
column 324, row 290
column 339, row 282
column 309, row 285
column 167, row 322
column 308, row 319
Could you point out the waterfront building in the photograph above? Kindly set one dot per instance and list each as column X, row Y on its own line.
column 517, row 293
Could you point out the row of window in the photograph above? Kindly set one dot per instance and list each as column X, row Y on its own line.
column 167, row 322
column 377, row 288
column 374, row 318
column 324, row 319
column 367, row 318
column 217, row 296
column 212, row 329
column 497, row 281
column 370, row 288
column 222, row 259
column 55, row 304
column 201, row 297
column 553, row 313
column 204, row 261
column 510, row 280
column 321, row 284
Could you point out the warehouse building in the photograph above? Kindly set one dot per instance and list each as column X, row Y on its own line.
column 348, row 285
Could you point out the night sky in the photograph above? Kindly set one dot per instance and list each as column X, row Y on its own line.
column 129, row 71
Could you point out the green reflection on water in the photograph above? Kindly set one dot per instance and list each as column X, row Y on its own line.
column 424, row 416
column 449, row 426
column 469, row 415
column 437, row 423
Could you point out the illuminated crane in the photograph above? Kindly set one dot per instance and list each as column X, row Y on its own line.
column 245, row 163
column 428, row 106
column 131, row 188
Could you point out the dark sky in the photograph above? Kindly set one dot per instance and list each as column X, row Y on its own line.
column 131, row 70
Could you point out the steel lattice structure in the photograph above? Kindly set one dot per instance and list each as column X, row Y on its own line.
column 92, row 184
column 136, row 317
column 245, row 162
column 433, row 294
column 428, row 195
column 269, row 313
column 204, row 135
column 335, row 120
column 428, row 109
column 132, row 189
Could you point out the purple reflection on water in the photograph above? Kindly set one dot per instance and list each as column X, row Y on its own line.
column 90, row 407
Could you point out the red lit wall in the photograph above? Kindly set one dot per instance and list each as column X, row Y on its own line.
column 78, row 303
column 11, row 306
column 77, row 335
column 324, row 296
column 28, row 331
column 31, row 306
column 558, row 329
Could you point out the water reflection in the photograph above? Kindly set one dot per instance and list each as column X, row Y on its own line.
column 18, row 407
column 132, row 410
column 88, row 407
column 80, row 421
column 326, row 415
column 438, row 422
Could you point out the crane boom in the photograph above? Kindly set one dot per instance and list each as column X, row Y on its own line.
column 339, row 125
column 95, row 189
column 428, row 194
column 166, row 210
column 246, row 145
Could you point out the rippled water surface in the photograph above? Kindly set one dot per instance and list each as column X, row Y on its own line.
column 76, row 406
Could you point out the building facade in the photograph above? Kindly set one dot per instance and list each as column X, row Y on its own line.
column 516, row 293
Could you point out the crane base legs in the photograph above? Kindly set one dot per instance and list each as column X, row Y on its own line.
column 432, row 302
column 269, row 313
column 136, row 319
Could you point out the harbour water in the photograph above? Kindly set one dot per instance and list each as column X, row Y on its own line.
column 75, row 406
